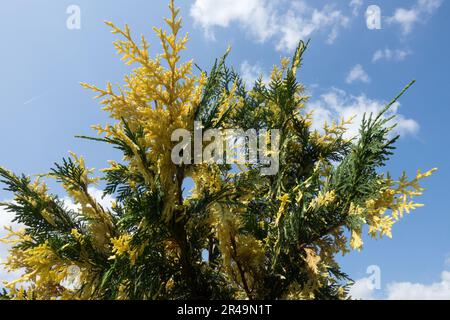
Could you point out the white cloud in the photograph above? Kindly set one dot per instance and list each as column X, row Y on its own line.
column 250, row 73
column 357, row 73
column 222, row 13
column 390, row 55
column 336, row 104
column 265, row 20
column 418, row 13
column 362, row 290
column 406, row 18
column 105, row 202
column 417, row 291
column 365, row 290
column 356, row 5
column 429, row 6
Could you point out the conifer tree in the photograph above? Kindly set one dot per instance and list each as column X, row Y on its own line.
column 239, row 234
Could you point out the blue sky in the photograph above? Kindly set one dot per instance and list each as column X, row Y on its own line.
column 347, row 69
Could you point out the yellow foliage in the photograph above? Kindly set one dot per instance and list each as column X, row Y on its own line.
column 396, row 197
column 44, row 271
column 284, row 200
column 161, row 95
column 242, row 255
column 312, row 260
column 121, row 246
column 323, row 199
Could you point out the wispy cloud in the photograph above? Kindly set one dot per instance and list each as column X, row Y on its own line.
column 390, row 55
column 356, row 5
column 336, row 104
column 357, row 73
column 252, row 72
column 407, row 18
column 286, row 22
column 34, row 98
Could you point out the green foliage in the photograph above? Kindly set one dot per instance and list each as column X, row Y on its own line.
column 239, row 235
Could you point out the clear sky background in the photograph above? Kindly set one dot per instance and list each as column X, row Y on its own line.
column 347, row 69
